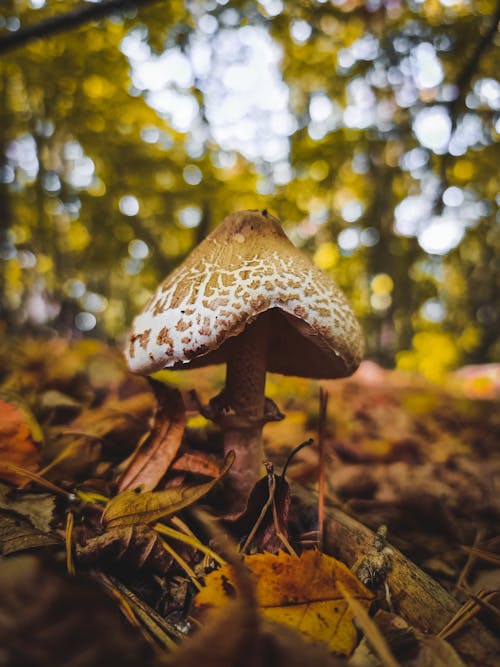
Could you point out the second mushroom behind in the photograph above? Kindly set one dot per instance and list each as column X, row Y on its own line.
column 247, row 297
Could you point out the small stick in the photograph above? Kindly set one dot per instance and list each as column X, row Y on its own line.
column 323, row 405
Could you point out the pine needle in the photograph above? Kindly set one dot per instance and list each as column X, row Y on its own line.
column 182, row 563
column 151, row 624
column 466, row 612
column 192, row 541
column 70, row 564
column 34, row 477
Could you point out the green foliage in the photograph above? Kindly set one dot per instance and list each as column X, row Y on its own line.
column 102, row 193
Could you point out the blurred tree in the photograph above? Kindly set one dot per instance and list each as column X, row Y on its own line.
column 123, row 142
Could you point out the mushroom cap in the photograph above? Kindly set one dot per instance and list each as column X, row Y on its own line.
column 247, row 268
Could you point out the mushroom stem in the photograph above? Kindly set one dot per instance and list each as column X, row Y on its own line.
column 244, row 394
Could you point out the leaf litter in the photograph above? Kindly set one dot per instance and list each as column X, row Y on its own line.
column 101, row 466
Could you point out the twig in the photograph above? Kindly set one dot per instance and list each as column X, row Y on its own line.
column 68, row 21
column 323, row 406
column 419, row 599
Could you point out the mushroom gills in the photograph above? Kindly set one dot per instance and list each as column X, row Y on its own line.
column 293, row 348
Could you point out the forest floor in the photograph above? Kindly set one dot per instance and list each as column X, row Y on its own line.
column 108, row 558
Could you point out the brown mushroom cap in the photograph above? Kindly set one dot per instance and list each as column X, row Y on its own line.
column 247, row 268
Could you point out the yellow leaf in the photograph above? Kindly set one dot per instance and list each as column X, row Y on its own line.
column 132, row 508
column 303, row 593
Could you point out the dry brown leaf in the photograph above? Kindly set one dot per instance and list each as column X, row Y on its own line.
column 197, row 463
column 134, row 546
column 117, row 422
column 301, row 593
column 130, row 507
column 17, row 533
column 266, row 531
column 73, row 449
column 153, row 457
column 20, row 438
column 38, row 508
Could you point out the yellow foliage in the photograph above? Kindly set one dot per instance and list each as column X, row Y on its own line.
column 470, row 338
column 319, row 170
column 433, row 354
column 13, row 274
column 382, row 283
column 78, row 237
column 326, row 256
column 97, row 188
column 96, row 86
column 303, row 593
column 44, row 263
column 463, row 170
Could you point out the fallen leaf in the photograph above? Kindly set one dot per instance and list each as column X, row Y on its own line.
column 58, row 407
column 197, row 463
column 75, row 448
column 237, row 635
column 36, row 507
column 302, row 593
column 266, row 537
column 17, row 533
column 20, row 438
column 130, row 507
column 153, row 457
column 134, row 546
column 118, row 423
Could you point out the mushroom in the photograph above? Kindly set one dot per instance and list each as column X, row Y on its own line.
column 247, row 297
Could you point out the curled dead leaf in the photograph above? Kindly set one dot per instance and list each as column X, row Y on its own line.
column 134, row 546
column 153, row 456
